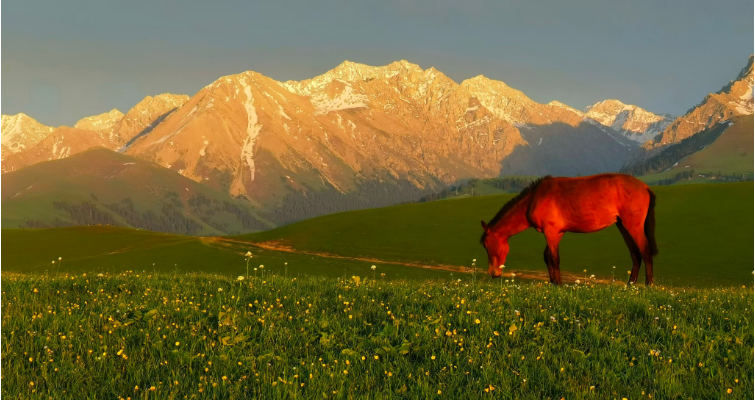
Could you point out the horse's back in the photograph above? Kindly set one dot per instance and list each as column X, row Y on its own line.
column 596, row 185
column 587, row 204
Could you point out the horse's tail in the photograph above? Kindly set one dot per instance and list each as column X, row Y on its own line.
column 650, row 225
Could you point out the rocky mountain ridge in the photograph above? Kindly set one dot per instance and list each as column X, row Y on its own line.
column 112, row 130
column 359, row 126
column 358, row 136
column 103, row 123
column 734, row 99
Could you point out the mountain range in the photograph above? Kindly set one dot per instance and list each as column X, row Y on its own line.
column 357, row 136
column 732, row 100
column 698, row 127
column 112, row 130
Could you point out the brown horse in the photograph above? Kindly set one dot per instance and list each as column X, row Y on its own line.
column 556, row 205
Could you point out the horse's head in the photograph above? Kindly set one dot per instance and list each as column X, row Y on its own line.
column 498, row 249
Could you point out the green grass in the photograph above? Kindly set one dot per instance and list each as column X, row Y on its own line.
column 162, row 336
column 731, row 153
column 102, row 177
column 115, row 249
column 101, row 248
column 704, row 233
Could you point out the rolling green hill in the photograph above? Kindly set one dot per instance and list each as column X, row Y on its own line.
column 704, row 235
column 113, row 249
column 103, row 187
column 731, row 153
column 703, row 232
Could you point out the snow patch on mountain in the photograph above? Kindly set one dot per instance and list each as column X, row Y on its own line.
column 252, row 128
column 63, row 151
column 747, row 95
column 743, row 110
column 348, row 98
column 282, row 113
column 745, row 103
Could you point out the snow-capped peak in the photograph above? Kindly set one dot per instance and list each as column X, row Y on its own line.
column 21, row 131
column 352, row 72
column 633, row 122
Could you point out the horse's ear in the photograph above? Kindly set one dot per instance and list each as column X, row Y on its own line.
column 484, row 225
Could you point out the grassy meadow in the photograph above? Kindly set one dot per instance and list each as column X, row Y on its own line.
column 731, row 153
column 704, row 234
column 164, row 336
column 125, row 313
column 113, row 249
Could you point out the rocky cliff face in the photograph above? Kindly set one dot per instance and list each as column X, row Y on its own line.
column 145, row 116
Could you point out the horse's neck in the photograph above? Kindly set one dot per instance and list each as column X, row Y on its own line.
column 515, row 219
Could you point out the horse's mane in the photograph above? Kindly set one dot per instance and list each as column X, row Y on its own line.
column 511, row 203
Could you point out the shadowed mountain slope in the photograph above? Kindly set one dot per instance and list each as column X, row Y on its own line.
column 99, row 186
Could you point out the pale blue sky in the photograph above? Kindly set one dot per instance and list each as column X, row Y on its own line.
column 64, row 60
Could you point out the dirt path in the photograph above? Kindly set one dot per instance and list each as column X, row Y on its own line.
column 277, row 246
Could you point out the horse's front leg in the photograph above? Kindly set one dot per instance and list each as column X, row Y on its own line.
column 549, row 262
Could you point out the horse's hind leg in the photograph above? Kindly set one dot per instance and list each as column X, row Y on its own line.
column 637, row 232
column 633, row 251
column 648, row 269
column 549, row 262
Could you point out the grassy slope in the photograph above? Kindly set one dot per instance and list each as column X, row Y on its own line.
column 28, row 194
column 159, row 336
column 731, row 153
column 107, row 248
column 704, row 232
